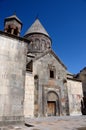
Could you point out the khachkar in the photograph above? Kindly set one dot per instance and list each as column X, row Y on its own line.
column 13, row 50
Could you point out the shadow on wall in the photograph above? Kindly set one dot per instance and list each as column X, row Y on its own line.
column 83, row 106
column 83, row 128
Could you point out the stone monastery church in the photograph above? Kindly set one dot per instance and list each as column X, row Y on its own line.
column 34, row 81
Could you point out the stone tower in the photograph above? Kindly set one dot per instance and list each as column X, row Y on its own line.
column 39, row 38
column 13, row 50
column 13, row 25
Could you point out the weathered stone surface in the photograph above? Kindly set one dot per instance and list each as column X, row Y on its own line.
column 50, row 80
column 75, row 95
column 45, row 84
column 12, row 75
column 39, row 43
column 29, row 96
column 47, row 89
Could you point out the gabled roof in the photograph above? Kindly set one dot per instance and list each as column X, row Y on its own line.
column 84, row 69
column 37, row 27
column 53, row 53
column 13, row 17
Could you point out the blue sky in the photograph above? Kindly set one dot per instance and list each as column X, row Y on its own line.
column 64, row 20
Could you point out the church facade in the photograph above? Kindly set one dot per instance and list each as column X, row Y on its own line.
column 34, row 81
column 53, row 91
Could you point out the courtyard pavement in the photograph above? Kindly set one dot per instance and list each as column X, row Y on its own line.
column 51, row 123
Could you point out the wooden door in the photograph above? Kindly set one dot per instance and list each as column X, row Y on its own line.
column 51, row 108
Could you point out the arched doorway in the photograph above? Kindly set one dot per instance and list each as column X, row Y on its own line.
column 52, row 104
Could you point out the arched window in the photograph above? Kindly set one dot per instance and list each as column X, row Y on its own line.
column 52, row 71
column 15, row 31
column 43, row 42
column 9, row 29
column 37, row 45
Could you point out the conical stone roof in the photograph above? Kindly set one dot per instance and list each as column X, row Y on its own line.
column 37, row 27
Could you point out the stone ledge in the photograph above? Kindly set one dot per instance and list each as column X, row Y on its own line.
column 6, row 123
column 11, row 128
column 11, row 120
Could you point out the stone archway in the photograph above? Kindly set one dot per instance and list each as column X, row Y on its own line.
column 52, row 104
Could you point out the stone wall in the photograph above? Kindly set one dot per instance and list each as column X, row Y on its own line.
column 12, row 78
column 75, row 95
column 29, row 96
column 82, row 77
column 41, row 68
